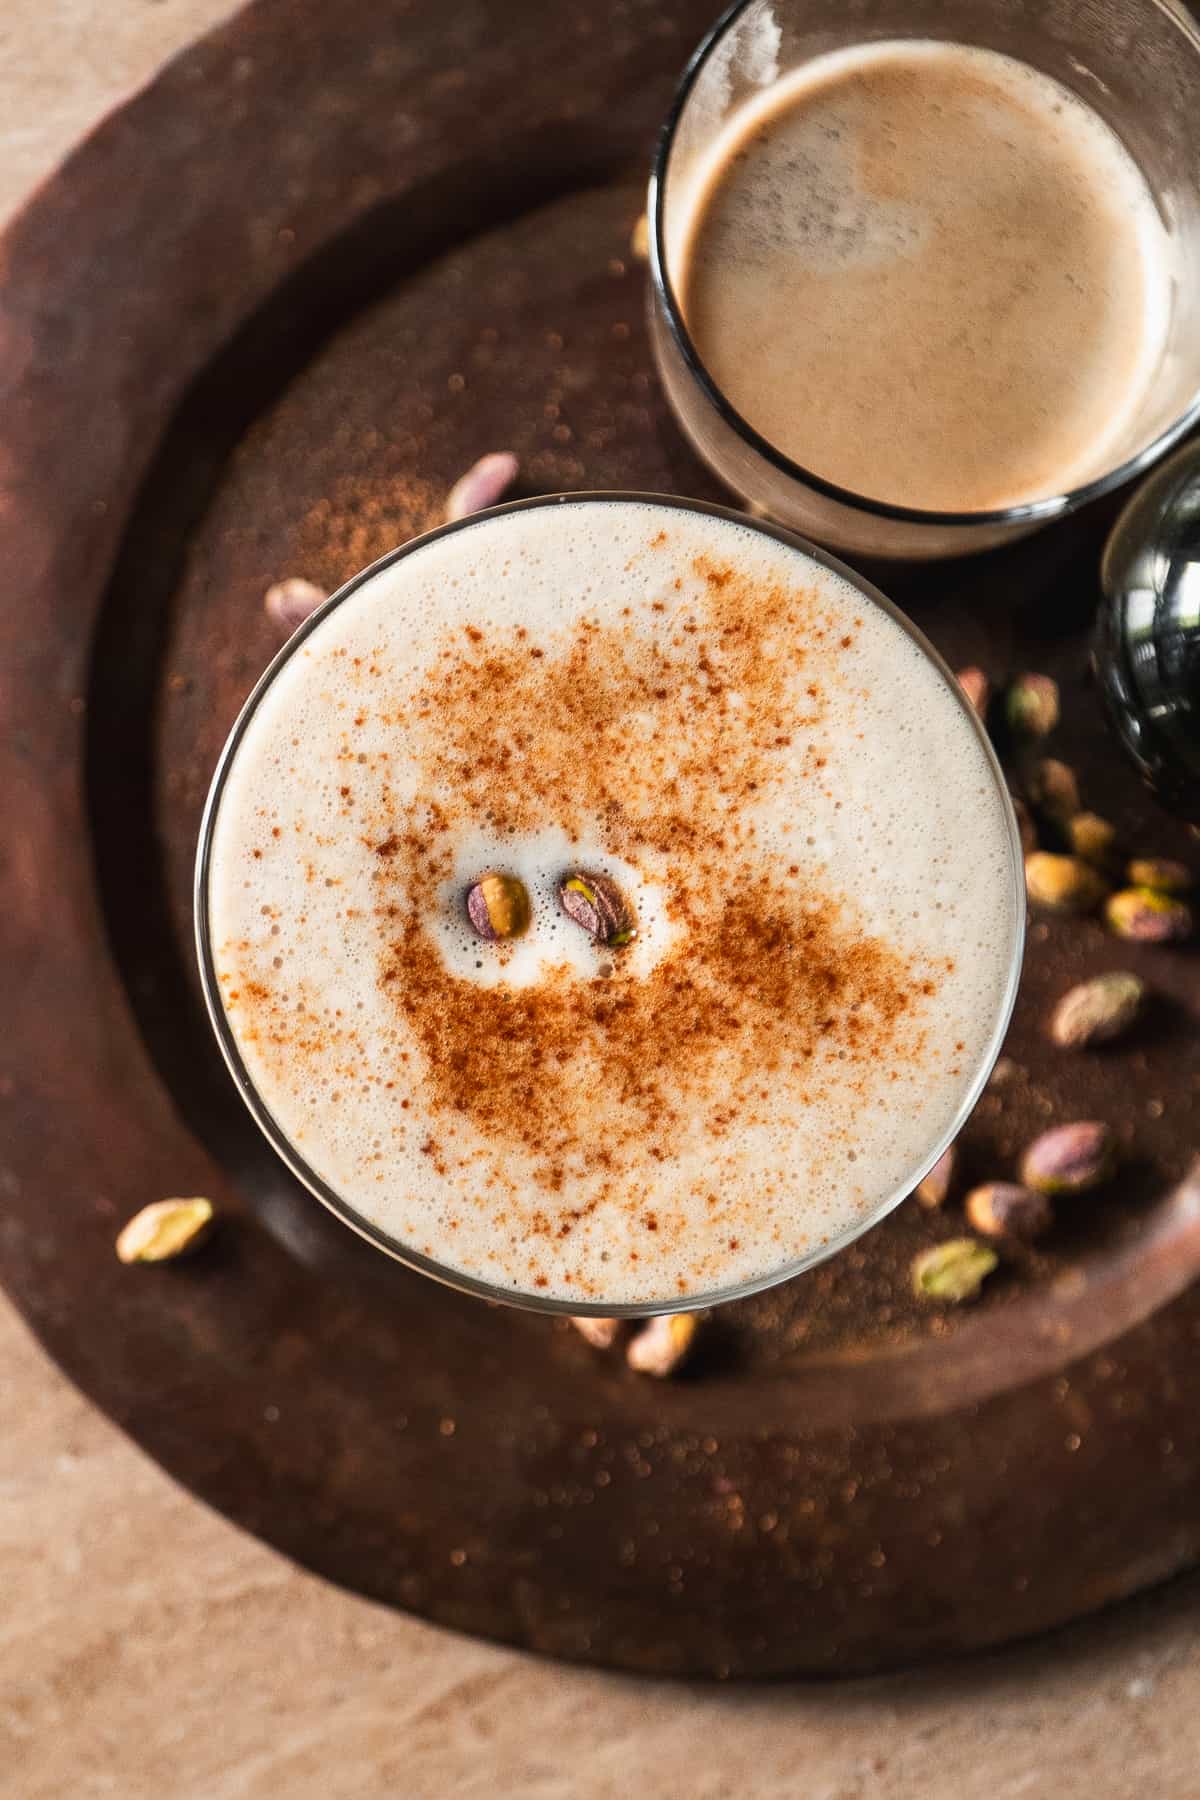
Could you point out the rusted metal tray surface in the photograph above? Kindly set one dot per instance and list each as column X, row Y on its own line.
column 256, row 327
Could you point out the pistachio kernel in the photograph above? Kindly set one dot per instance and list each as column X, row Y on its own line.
column 1026, row 829
column 597, row 904
column 485, row 484
column 1063, row 884
column 601, row 1334
column 498, row 906
column 1004, row 1209
column 663, row 1344
column 934, row 1190
column 165, row 1229
column 288, row 603
column 1145, row 917
column 1070, row 1159
column 1031, row 706
column 1162, row 874
column 1091, row 837
column 1054, row 790
column 976, row 686
column 1098, row 1011
column 953, row 1271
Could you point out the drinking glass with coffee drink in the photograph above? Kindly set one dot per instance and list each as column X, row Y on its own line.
column 923, row 275
column 609, row 904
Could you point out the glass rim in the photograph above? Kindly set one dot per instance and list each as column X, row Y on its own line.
column 323, row 1190
column 1030, row 512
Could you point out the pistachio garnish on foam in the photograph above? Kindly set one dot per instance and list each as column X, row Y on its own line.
column 498, row 906
column 597, row 904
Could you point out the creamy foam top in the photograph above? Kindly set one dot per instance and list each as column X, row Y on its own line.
column 928, row 273
column 793, row 799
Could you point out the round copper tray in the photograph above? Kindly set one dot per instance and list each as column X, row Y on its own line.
column 256, row 327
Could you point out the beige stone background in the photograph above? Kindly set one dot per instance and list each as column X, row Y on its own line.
column 149, row 1650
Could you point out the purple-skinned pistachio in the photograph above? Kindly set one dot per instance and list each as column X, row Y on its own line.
column 1031, row 706
column 288, row 603
column 484, row 484
column 1098, row 1011
column 1005, row 1209
column 934, row 1190
column 976, row 686
column 1146, row 917
column 596, row 903
column 498, row 906
column 1070, row 1159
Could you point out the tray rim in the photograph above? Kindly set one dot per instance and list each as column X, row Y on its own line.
column 62, row 557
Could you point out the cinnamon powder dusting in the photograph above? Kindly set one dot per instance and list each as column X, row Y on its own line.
column 662, row 744
column 602, row 1076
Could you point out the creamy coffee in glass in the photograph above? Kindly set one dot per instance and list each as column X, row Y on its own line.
column 922, row 277
column 929, row 273
column 799, row 814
